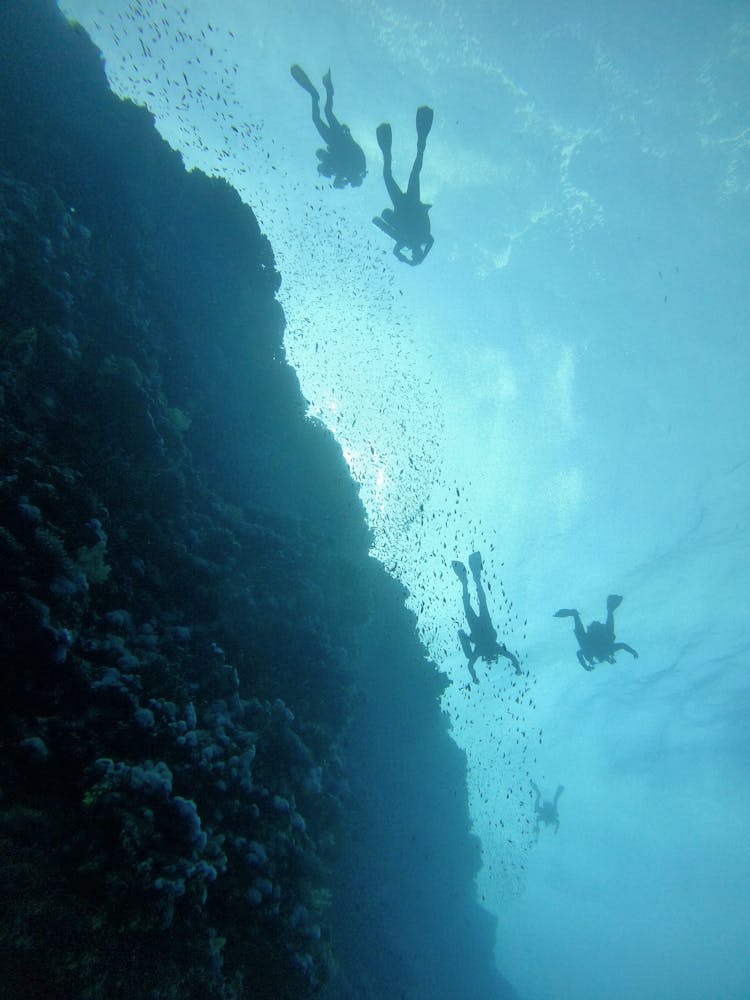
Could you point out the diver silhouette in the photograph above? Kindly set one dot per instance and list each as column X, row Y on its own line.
column 342, row 158
column 481, row 632
column 408, row 222
column 598, row 641
column 546, row 812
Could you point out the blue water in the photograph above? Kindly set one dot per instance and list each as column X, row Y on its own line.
column 563, row 383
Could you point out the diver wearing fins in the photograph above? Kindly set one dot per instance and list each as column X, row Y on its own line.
column 598, row 641
column 342, row 159
column 481, row 631
column 408, row 222
column 546, row 812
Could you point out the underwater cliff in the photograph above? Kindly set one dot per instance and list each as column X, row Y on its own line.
column 225, row 770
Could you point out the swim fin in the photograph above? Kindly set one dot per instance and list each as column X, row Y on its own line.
column 424, row 122
column 304, row 81
column 475, row 563
column 385, row 227
column 564, row 613
column 458, row 568
column 613, row 601
column 385, row 138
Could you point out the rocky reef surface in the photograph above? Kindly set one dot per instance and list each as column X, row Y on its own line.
column 224, row 771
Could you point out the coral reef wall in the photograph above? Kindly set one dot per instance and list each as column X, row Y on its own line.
column 224, row 768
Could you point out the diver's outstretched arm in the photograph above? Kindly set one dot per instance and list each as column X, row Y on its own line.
column 504, row 651
column 417, row 256
column 427, row 247
column 558, row 793
column 398, row 253
column 472, row 671
column 628, row 649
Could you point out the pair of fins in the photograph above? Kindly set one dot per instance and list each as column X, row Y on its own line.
column 475, row 565
column 306, row 83
column 384, row 132
column 613, row 602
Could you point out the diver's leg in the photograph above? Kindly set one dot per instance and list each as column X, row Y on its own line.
column 385, row 138
column 471, row 616
column 460, row 570
column 475, row 565
column 328, row 107
column 481, row 599
column 424, row 124
column 578, row 629
column 306, row 83
column 583, row 661
column 413, row 191
column 613, row 601
column 323, row 130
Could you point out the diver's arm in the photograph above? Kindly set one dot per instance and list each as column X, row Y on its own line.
column 628, row 649
column 419, row 253
column 504, row 651
column 398, row 253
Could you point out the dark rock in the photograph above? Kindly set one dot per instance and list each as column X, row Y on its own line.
column 228, row 764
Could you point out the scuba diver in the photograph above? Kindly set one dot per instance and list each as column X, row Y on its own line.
column 546, row 812
column 342, row 158
column 481, row 632
column 408, row 222
column 598, row 641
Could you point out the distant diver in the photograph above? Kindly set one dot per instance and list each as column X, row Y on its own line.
column 481, row 632
column 598, row 641
column 546, row 812
column 408, row 222
column 342, row 158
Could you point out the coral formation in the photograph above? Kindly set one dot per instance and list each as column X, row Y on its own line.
column 194, row 677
